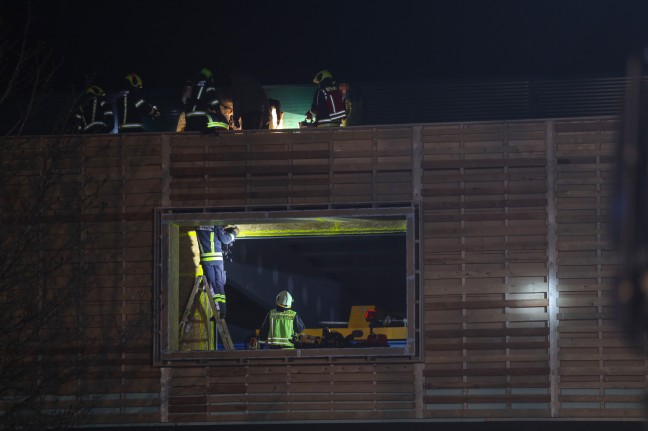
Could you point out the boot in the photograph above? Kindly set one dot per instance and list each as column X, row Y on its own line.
column 223, row 309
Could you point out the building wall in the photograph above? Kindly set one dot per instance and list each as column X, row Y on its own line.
column 517, row 271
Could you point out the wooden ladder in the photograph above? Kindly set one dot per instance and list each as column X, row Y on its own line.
column 201, row 285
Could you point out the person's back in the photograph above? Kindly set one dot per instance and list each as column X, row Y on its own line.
column 94, row 114
column 131, row 107
column 211, row 241
column 200, row 100
column 328, row 103
column 281, row 324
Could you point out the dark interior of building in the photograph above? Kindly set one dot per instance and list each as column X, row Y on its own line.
column 326, row 276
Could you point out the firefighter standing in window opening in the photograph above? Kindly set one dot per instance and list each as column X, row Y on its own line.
column 281, row 324
column 214, row 242
column 200, row 100
column 94, row 114
column 328, row 105
column 131, row 107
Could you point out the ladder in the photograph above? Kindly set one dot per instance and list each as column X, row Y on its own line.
column 201, row 285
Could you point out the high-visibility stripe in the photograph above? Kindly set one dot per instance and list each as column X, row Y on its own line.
column 337, row 115
column 196, row 114
column 94, row 123
column 220, row 125
column 278, row 340
column 130, row 125
column 94, row 108
column 139, row 103
column 210, row 259
column 125, row 109
column 211, row 123
column 211, row 256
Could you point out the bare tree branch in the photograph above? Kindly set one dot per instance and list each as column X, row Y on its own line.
column 44, row 270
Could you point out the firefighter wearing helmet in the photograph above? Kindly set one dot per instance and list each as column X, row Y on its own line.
column 131, row 107
column 213, row 243
column 94, row 114
column 281, row 323
column 200, row 101
column 328, row 105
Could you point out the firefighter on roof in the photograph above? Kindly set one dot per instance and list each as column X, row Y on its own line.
column 94, row 114
column 328, row 106
column 201, row 103
column 131, row 107
column 281, row 323
column 211, row 241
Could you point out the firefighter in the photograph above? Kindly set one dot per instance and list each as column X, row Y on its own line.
column 131, row 107
column 94, row 114
column 200, row 100
column 328, row 105
column 213, row 242
column 281, row 324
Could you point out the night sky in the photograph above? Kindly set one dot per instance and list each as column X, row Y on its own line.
column 285, row 42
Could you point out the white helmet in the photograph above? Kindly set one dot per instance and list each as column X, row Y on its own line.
column 284, row 299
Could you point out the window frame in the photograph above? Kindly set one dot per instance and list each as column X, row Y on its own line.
column 168, row 222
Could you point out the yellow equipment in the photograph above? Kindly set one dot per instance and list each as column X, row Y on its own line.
column 358, row 320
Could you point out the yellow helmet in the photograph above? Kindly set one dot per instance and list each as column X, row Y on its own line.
column 284, row 299
column 207, row 73
column 134, row 80
column 94, row 90
column 321, row 76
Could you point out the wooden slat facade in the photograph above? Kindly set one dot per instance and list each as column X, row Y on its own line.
column 516, row 272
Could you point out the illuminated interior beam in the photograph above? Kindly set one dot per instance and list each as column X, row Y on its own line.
column 321, row 227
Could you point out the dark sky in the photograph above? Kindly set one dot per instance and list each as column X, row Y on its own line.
column 285, row 42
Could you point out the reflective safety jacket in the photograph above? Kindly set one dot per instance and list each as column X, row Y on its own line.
column 94, row 115
column 279, row 327
column 216, row 120
column 328, row 104
column 210, row 242
column 203, row 99
column 131, row 109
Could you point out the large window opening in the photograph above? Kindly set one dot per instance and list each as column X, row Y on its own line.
column 351, row 273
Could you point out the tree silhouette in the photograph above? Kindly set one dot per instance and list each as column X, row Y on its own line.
column 46, row 350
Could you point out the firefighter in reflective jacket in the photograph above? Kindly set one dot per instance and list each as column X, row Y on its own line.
column 328, row 105
column 94, row 114
column 131, row 107
column 201, row 104
column 211, row 240
column 281, row 324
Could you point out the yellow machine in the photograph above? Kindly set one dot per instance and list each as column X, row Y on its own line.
column 361, row 319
